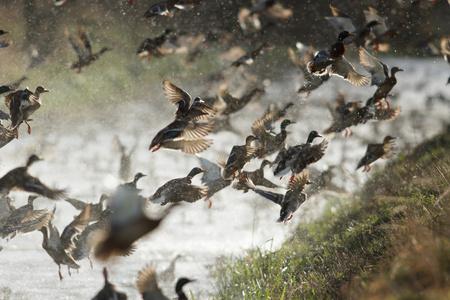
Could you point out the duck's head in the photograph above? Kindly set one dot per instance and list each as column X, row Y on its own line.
column 31, row 198
column 312, row 135
column 388, row 138
column 5, row 89
column 138, row 176
column 395, row 70
column 33, row 158
column 40, row 89
column 344, row 34
column 285, row 123
column 265, row 163
column 195, row 171
column 3, row 32
column 181, row 282
column 250, row 139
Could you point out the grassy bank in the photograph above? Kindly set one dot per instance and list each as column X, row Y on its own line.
column 390, row 241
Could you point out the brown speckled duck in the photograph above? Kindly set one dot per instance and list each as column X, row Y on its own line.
column 239, row 156
column 24, row 219
column 19, row 179
column 350, row 114
column 83, row 49
column 22, row 104
column 59, row 247
column 257, row 177
column 297, row 158
column 376, row 151
column 291, row 200
column 180, row 189
column 380, row 76
column 191, row 124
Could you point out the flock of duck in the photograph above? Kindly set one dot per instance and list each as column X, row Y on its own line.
column 112, row 226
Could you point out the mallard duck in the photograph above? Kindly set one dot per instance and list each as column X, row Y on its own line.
column 19, row 179
column 198, row 110
column 180, row 189
column 22, row 104
column 153, row 47
column 311, row 82
column 380, row 76
column 83, row 49
column 59, row 247
column 257, row 177
column 24, row 219
column 179, row 287
column 350, row 114
column 380, row 33
column 96, row 210
column 212, row 178
column 235, row 104
column 277, row 111
column 89, row 237
column 375, row 151
column 109, row 291
column 239, row 156
column 168, row 7
column 183, row 135
column 133, row 184
column 125, row 158
column 127, row 223
column 341, row 22
column 168, row 274
column 147, row 285
column 187, row 131
column 297, row 158
column 445, row 50
column 269, row 140
column 249, row 57
column 340, row 111
column 334, row 56
column 291, row 200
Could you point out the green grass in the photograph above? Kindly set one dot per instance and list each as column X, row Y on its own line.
column 391, row 240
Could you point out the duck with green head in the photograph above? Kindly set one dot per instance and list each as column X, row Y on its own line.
column 380, row 76
column 270, row 142
column 334, row 56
